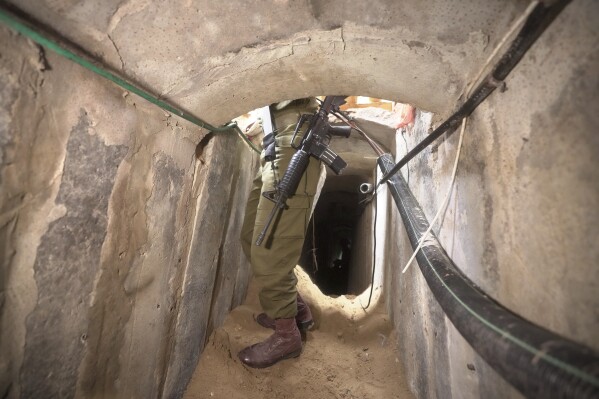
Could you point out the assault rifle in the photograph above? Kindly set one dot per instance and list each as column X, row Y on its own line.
column 314, row 143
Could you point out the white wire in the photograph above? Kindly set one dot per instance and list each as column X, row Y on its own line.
column 501, row 43
column 509, row 33
column 444, row 203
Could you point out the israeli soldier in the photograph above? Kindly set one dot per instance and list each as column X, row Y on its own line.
column 273, row 261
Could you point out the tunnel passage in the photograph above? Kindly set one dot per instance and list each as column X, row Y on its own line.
column 335, row 241
column 337, row 252
column 389, row 51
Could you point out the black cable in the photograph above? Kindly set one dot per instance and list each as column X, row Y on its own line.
column 372, row 197
column 536, row 361
column 540, row 18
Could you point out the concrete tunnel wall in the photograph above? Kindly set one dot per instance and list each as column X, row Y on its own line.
column 116, row 262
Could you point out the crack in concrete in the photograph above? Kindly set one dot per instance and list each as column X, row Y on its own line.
column 232, row 59
column 117, row 51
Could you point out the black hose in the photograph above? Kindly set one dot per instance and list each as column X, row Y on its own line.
column 536, row 23
column 536, row 361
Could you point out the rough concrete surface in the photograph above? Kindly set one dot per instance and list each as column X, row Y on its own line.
column 214, row 186
column 66, row 263
column 208, row 56
column 98, row 206
column 149, row 272
column 522, row 219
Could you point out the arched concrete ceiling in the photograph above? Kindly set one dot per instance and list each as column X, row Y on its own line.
column 221, row 59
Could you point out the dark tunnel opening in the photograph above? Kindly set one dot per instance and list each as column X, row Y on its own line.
column 333, row 238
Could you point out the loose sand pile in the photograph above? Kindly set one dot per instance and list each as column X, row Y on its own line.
column 350, row 353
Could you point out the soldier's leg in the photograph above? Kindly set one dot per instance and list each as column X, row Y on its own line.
column 273, row 262
column 247, row 230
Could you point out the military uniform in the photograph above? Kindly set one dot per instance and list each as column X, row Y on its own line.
column 273, row 262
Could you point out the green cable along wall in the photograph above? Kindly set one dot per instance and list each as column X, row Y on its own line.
column 97, row 67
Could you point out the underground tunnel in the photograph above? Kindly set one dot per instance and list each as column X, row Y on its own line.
column 122, row 273
column 334, row 238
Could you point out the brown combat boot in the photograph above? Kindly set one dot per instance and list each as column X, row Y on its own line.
column 303, row 319
column 284, row 343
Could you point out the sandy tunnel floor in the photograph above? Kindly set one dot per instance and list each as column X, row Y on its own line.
column 350, row 353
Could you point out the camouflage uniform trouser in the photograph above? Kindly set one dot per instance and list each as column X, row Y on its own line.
column 273, row 262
